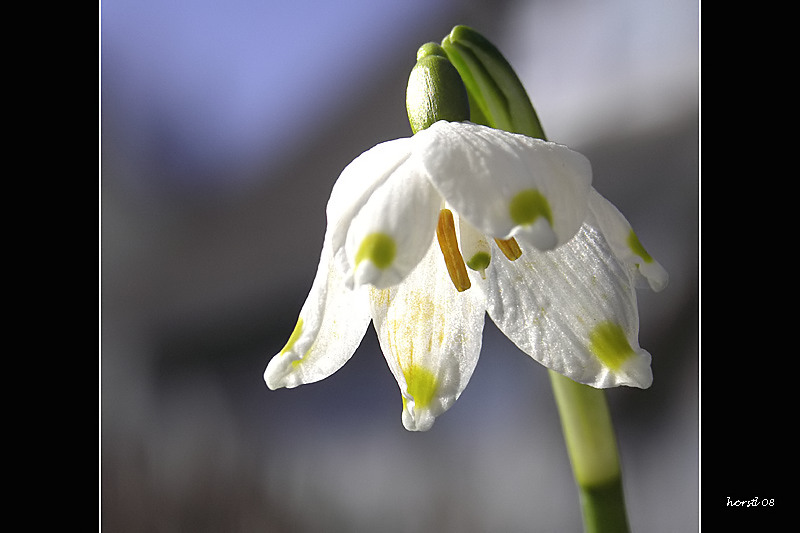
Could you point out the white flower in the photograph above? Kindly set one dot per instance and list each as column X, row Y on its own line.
column 427, row 234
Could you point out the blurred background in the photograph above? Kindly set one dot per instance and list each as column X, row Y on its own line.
column 224, row 126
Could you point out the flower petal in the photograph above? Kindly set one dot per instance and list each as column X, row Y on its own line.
column 619, row 234
column 358, row 181
column 332, row 323
column 431, row 337
column 382, row 226
column 572, row 309
column 506, row 184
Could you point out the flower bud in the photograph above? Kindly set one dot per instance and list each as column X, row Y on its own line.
column 435, row 91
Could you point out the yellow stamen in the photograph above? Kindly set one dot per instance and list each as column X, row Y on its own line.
column 510, row 248
column 446, row 233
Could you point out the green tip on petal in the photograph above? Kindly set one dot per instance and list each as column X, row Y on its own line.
column 527, row 206
column 637, row 248
column 609, row 344
column 378, row 248
column 298, row 330
column 421, row 385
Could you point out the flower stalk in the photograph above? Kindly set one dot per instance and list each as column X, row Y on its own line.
column 498, row 99
column 592, row 447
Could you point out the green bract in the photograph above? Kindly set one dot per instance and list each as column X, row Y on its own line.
column 496, row 95
column 435, row 90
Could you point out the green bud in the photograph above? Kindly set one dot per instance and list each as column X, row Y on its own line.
column 497, row 97
column 435, row 90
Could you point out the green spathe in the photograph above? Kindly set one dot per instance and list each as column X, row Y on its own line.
column 496, row 95
column 435, row 90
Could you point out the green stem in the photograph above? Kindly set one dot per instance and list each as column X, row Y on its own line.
column 592, row 448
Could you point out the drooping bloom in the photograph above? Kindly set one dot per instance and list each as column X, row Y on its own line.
column 428, row 234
